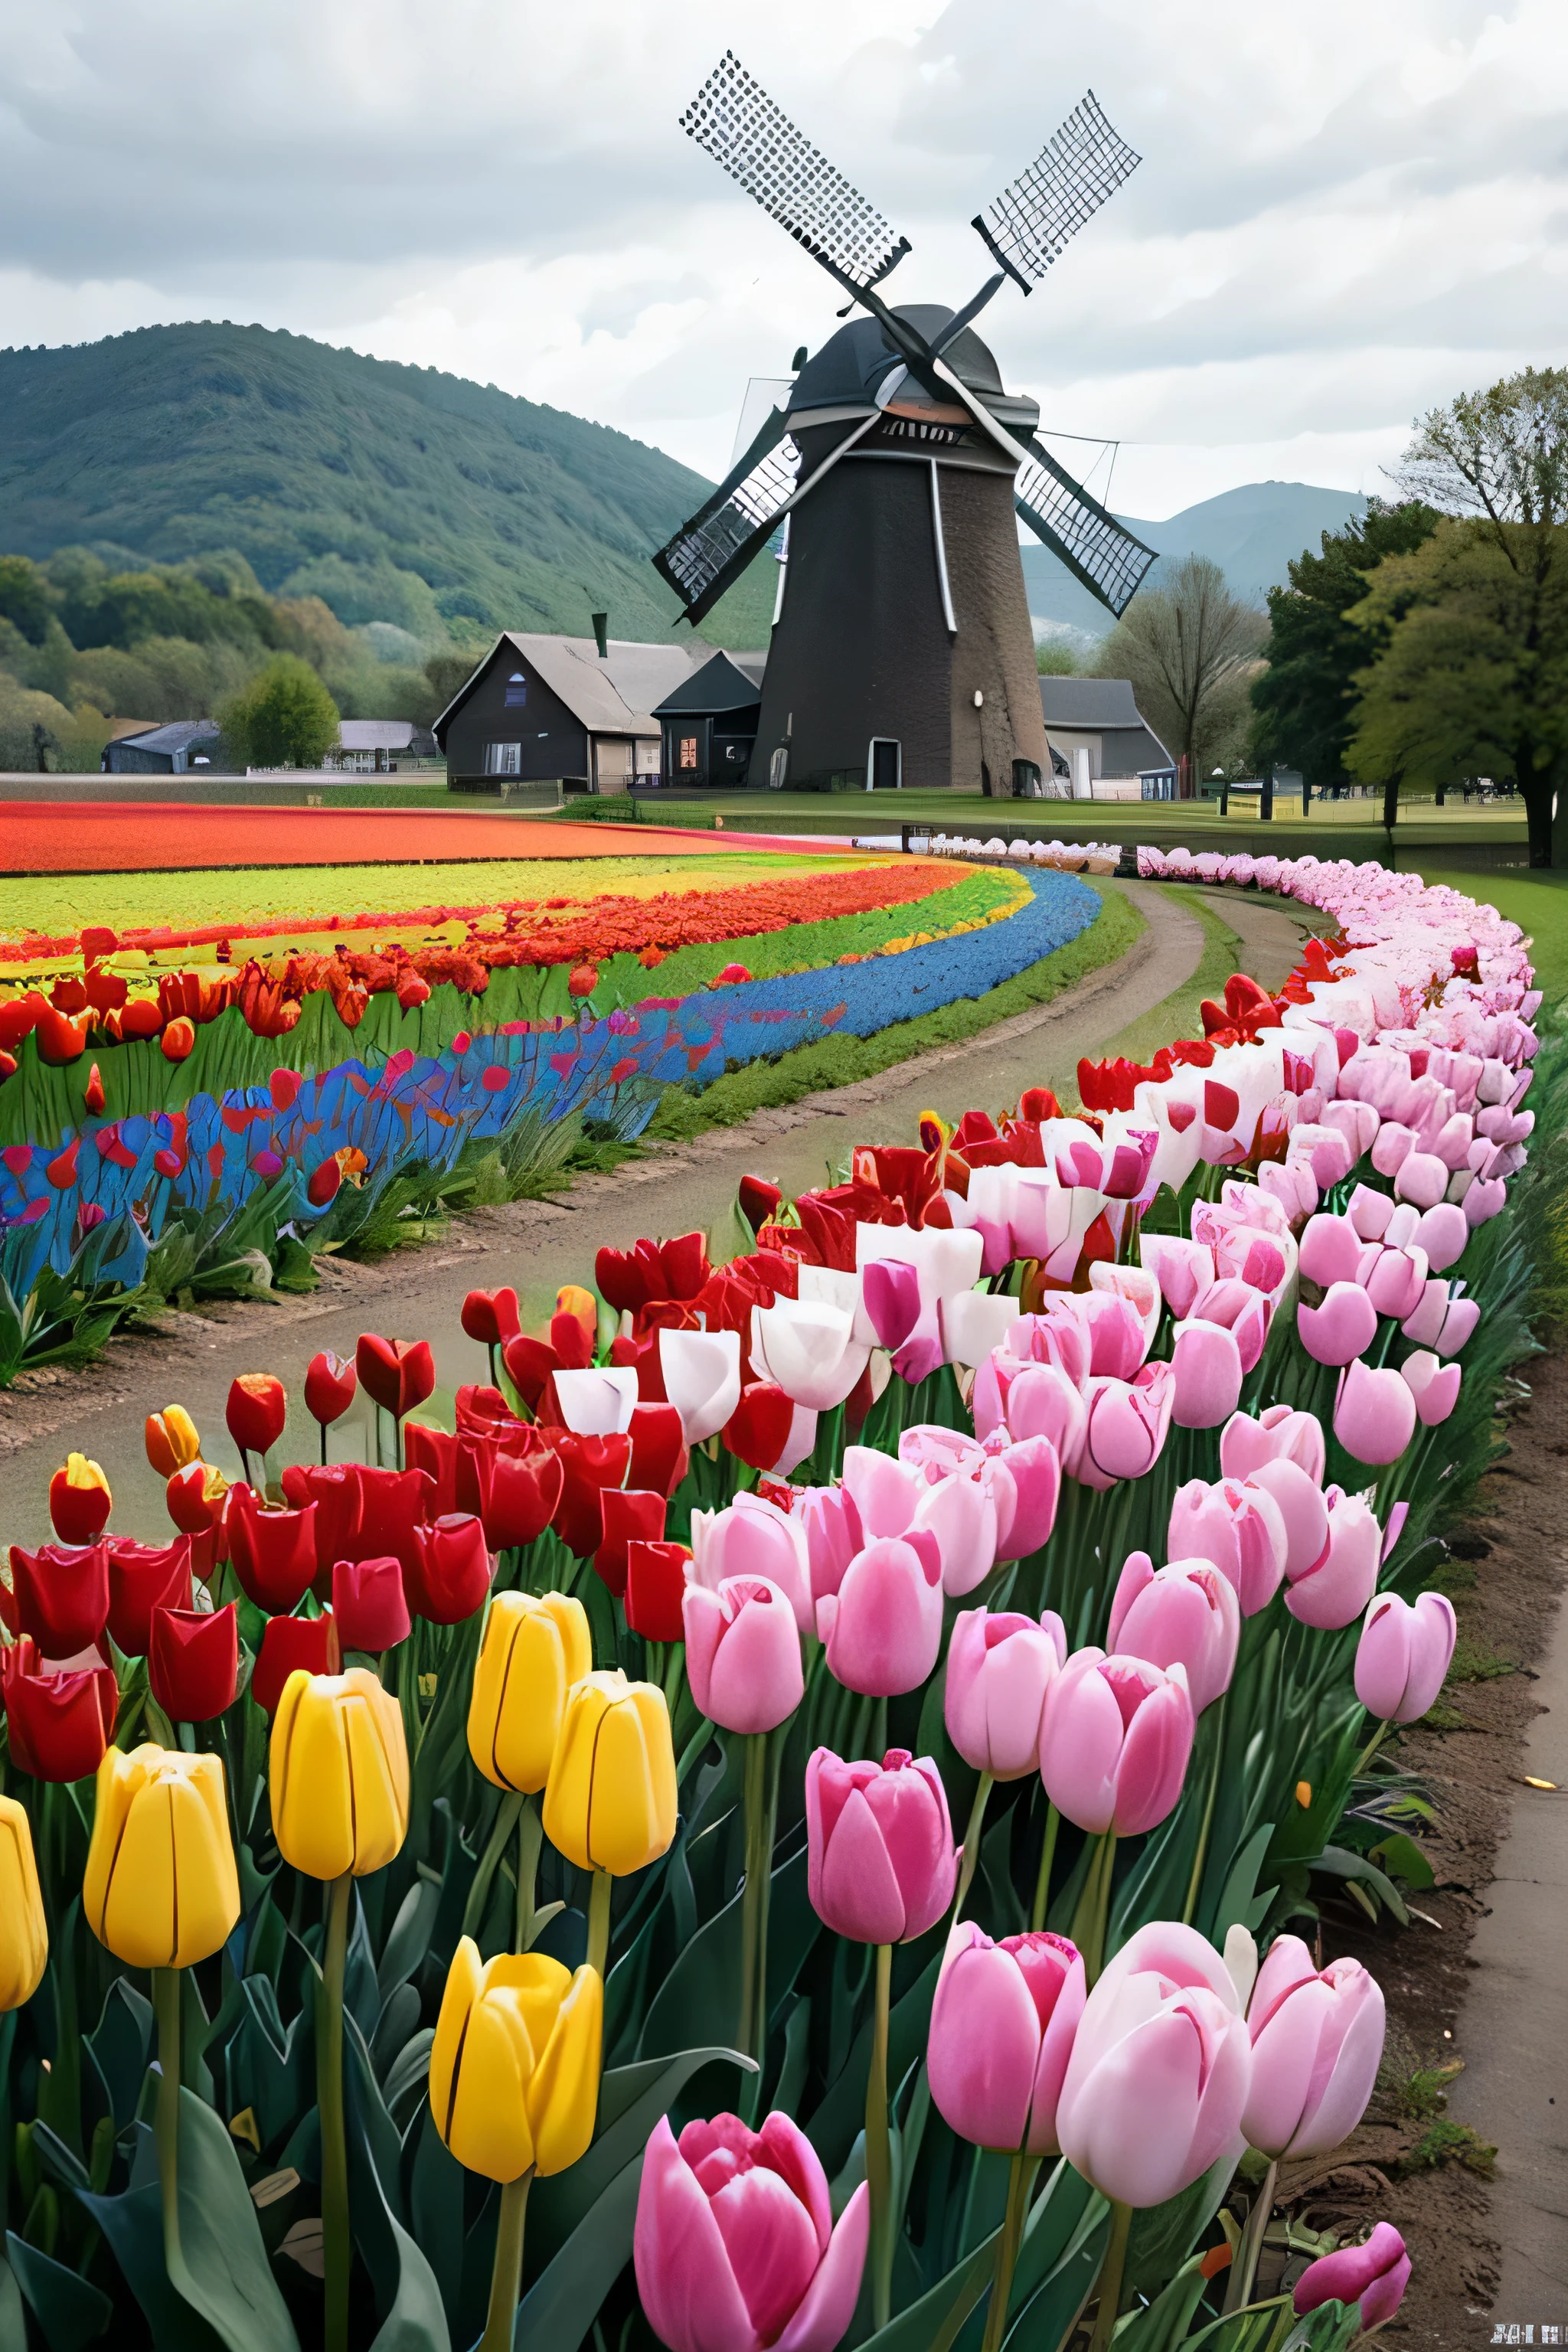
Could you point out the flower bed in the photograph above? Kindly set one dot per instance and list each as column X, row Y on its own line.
column 591, row 1769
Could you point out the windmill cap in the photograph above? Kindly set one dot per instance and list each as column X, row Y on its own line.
column 853, row 363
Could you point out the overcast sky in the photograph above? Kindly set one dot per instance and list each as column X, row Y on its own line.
column 1345, row 211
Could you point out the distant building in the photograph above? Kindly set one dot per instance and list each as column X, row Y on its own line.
column 540, row 707
column 709, row 723
column 183, row 747
column 1100, row 716
column 372, row 747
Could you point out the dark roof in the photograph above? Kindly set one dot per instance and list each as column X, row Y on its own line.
column 721, row 685
column 1094, row 703
column 611, row 696
column 852, row 364
column 176, row 736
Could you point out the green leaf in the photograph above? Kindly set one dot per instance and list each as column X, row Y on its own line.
column 413, row 2317
column 1339, row 1863
column 1162, row 2236
column 1400, row 1857
column 227, row 2277
column 13, row 2318
column 631, row 2101
column 71, row 2310
column 1239, row 1901
column 563, row 2302
column 1161, row 2325
column 705, row 1981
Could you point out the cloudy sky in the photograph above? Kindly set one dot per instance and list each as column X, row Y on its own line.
column 1345, row 213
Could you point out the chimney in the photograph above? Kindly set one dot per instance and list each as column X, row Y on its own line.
column 601, row 634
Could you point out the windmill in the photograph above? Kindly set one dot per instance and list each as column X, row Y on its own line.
column 889, row 476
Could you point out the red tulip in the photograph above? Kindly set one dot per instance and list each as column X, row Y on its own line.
column 434, row 1452
column 143, row 1577
column 652, row 1271
column 450, row 1574
column 192, row 1662
column 396, row 1374
column 194, row 1498
column 291, row 1644
column 338, row 1494
column 256, row 1412
column 529, row 1362
column 628, row 1517
column 490, row 1316
column 588, row 1465
column 758, row 1200
column 519, row 1494
column 59, row 1594
column 59, row 1724
column 758, row 1430
column 634, row 1352
column 79, row 1501
column 329, row 1384
column 370, row 1608
column 483, row 1412
column 273, row 1551
column 655, row 1589
column 659, row 1458
column 392, row 1502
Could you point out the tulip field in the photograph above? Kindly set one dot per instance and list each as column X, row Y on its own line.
column 803, row 1818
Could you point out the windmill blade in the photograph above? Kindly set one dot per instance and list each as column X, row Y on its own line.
column 742, row 128
column 1108, row 562
column 1078, row 168
column 718, row 542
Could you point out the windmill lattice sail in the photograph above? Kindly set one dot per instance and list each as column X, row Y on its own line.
column 1080, row 165
column 1107, row 560
column 715, row 546
column 745, row 130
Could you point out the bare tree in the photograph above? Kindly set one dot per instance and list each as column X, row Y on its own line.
column 1186, row 646
column 1501, row 454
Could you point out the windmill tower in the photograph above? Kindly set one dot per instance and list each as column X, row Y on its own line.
column 901, row 649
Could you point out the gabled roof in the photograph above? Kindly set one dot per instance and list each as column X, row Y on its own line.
column 728, row 682
column 174, row 736
column 613, row 696
column 1090, row 702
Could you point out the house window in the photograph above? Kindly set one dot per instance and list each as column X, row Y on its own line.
column 689, row 750
column 516, row 691
column 503, row 758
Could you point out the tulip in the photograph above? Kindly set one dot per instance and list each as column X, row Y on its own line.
column 433, row 1451
column 759, row 1431
column 514, row 2066
column 1042, row 1401
column 735, row 2246
column 1434, row 1385
column 1336, row 1588
column 1317, row 2042
column 659, row 1459
column 808, row 1347
column 1302, row 1511
column 256, row 1412
column 1125, row 1426
column 143, row 1577
column 23, row 1935
column 1329, row 1251
column 628, row 1518
column 753, row 1538
column 59, row 1724
column 59, row 1594
column 1341, row 1329
column 880, row 1866
column 331, row 1381
column 396, row 1374
column 1374, row 1414
column 701, row 1378
column 1187, row 1614
column 588, row 1465
column 1396, row 1281
column 1442, row 1233
column 192, row 1662
column 1115, row 1737
column 1421, row 1178
column 1159, row 2072
column 1000, row 1666
column 1205, row 1361
column 291, row 1645
column 1240, row 1309
column 393, row 1504
column 1025, row 1480
column 833, row 1536
column 194, row 1499
column 532, row 1654
column 370, row 1606
column 1001, row 2030
column 519, row 1494
column 1402, row 1658
column 1374, row 2275
column 882, row 1628
column 1240, row 1529
column 79, row 1501
column 491, row 1317
column 1441, row 1320
column 338, row 1769
column 274, row 1551
column 171, row 1440
column 450, row 1573
column 337, row 1492
column 160, row 1888
column 1279, row 1434
column 656, row 1589
column 610, row 1801
column 742, row 1654
column 596, row 1400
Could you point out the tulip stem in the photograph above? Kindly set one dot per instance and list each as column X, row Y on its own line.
column 530, row 1839
column 1194, row 1884
column 323, row 1430
column 759, row 1814
column 599, row 1923
column 1370, row 1750
column 1243, row 2270
column 166, row 2114
column 971, row 1844
column 506, row 2274
column 1093, row 1911
column 336, row 2244
column 506, row 1821
column 1043, row 1882
column 1020, row 2183
column 878, row 2147
column 1111, row 2272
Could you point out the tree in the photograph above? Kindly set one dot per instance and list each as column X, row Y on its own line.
column 1472, row 679
column 283, row 717
column 1501, row 454
column 1055, row 658
column 1303, row 702
column 1186, row 646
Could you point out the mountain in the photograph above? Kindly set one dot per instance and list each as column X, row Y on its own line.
column 395, row 494
column 1252, row 533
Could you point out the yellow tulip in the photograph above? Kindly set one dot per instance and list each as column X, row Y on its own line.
column 338, row 1770
column 532, row 1652
column 610, row 1800
column 23, row 1938
column 160, row 1888
column 514, row 2067
column 171, row 1440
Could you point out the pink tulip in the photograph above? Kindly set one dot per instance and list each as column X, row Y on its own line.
column 1374, row 2275
column 882, row 1627
column 1187, row 1614
column 1374, row 1414
column 1435, row 1386
column 1239, row 1528
column 1393, row 1146
column 754, row 1538
column 1404, row 1656
column 742, row 1654
column 1244, row 1311
column 1337, row 1587
column 1002, row 2027
column 1484, row 1200
column 1042, row 1401
column 735, row 2246
column 1395, row 1283
column 1442, row 1233
column 1118, row 1341
column 1206, row 1364
column 884, row 1492
column 1302, row 1509
column 1343, row 1327
column 880, row 1865
column 1422, row 1178
column 891, row 1292
column 1027, row 1482
column 1159, row 2071
column 833, row 1535
column 1125, row 1426
column 1279, row 1434
column 999, row 1668
column 1317, row 2042
column 1331, row 1247
column 1369, row 1211
column 1181, row 1268
column 1114, row 1742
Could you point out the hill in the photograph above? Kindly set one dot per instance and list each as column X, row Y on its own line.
column 397, row 495
column 1251, row 533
